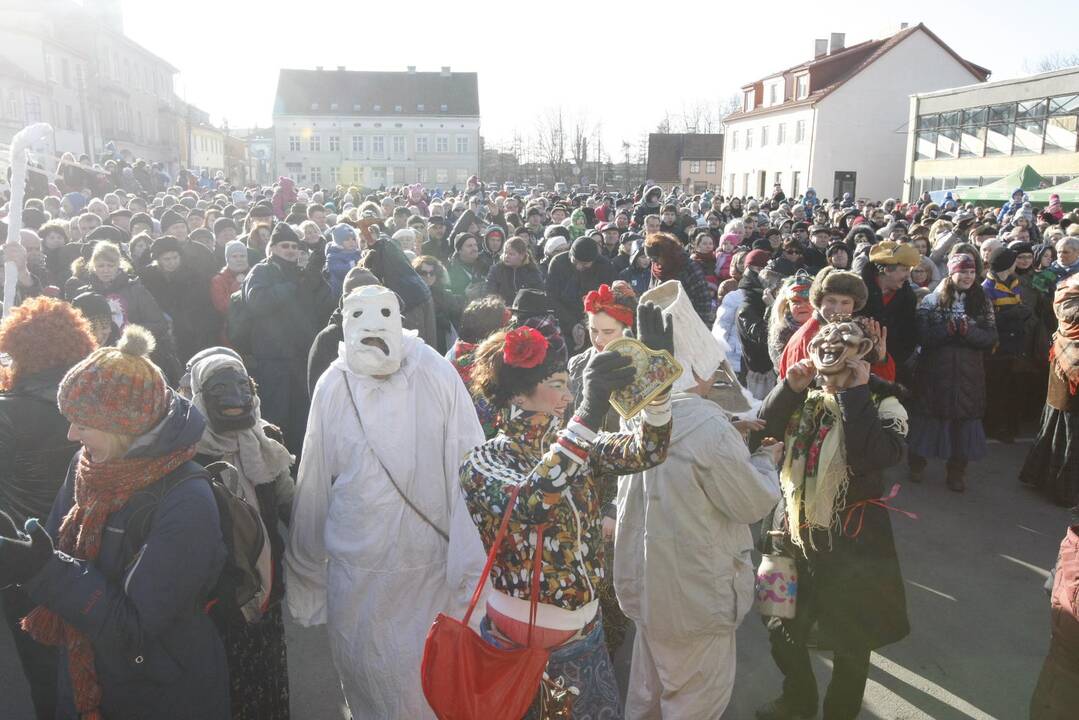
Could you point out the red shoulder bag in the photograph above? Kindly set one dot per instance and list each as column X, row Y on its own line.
column 466, row 678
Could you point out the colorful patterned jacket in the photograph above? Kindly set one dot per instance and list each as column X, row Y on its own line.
column 559, row 492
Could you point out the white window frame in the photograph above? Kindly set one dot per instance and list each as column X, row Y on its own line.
column 463, row 145
column 423, row 144
column 710, row 167
column 781, row 133
column 399, row 146
column 357, row 144
column 335, row 143
column 442, row 144
column 315, row 142
column 800, row 131
column 378, row 146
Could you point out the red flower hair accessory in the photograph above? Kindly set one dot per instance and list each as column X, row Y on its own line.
column 525, row 347
column 603, row 300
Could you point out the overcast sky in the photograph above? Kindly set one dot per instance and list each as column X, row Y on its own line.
column 622, row 64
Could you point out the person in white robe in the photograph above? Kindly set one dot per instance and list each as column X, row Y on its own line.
column 682, row 566
column 376, row 570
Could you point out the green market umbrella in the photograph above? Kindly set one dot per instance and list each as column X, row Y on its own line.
column 1025, row 177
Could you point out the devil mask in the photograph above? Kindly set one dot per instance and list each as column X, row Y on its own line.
column 229, row 400
column 372, row 330
column 836, row 343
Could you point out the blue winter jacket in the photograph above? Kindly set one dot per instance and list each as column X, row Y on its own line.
column 157, row 654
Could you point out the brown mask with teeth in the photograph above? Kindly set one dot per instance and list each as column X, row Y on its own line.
column 833, row 346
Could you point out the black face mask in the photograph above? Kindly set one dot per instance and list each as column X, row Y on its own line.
column 230, row 400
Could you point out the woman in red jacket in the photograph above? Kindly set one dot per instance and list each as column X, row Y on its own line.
column 228, row 281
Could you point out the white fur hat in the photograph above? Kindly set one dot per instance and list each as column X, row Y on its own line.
column 695, row 348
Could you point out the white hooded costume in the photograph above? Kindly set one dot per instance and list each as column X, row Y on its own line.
column 359, row 558
column 682, row 567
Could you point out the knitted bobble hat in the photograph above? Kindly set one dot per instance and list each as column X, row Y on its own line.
column 116, row 389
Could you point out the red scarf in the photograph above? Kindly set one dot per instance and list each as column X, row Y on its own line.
column 100, row 490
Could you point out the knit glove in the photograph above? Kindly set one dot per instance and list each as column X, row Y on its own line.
column 23, row 557
column 7, row 526
column 653, row 329
column 606, row 372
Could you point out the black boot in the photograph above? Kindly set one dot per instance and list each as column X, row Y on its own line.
column 956, row 478
column 917, row 464
column 784, row 709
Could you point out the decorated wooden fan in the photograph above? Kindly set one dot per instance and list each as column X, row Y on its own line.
column 655, row 372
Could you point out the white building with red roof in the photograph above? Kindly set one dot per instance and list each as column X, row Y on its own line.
column 838, row 122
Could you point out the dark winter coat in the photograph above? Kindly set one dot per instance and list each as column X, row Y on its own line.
column 898, row 316
column 157, row 654
column 752, row 323
column 505, row 281
column 858, row 594
column 949, row 381
column 287, row 307
column 697, row 288
column 196, row 324
column 566, row 287
column 132, row 303
column 34, row 449
column 639, row 278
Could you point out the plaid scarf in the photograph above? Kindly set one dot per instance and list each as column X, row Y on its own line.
column 100, row 490
column 1064, row 353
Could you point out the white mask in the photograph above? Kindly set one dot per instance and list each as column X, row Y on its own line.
column 372, row 330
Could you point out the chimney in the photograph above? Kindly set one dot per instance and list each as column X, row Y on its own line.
column 835, row 44
column 340, row 68
column 411, row 69
column 820, row 48
column 318, row 68
column 904, row 26
column 445, row 71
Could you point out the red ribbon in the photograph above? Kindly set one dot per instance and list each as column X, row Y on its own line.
column 859, row 508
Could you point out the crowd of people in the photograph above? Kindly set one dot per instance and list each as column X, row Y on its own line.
column 218, row 401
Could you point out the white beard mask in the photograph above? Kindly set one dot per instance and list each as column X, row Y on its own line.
column 372, row 330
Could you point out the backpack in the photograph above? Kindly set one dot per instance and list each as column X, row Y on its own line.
column 242, row 590
column 238, row 323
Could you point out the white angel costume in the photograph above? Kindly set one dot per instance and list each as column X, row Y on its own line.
column 388, row 410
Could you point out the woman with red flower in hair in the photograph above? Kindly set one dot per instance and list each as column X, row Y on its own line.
column 43, row 338
column 609, row 312
column 550, row 467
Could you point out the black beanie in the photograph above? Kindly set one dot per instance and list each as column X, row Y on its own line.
column 584, row 249
column 143, row 218
column 283, row 232
column 171, row 218
column 460, row 240
column 92, row 305
column 1001, row 259
column 223, row 223
column 164, row 244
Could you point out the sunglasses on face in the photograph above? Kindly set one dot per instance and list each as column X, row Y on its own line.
column 288, row 246
column 794, row 253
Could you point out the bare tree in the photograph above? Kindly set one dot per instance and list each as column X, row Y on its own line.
column 551, row 142
column 1052, row 61
column 579, row 144
column 733, row 103
column 664, row 126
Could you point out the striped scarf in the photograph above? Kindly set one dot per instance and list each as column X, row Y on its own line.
column 1002, row 292
column 100, row 490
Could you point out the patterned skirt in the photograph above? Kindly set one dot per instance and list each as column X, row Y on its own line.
column 583, row 664
column 1052, row 465
column 258, row 668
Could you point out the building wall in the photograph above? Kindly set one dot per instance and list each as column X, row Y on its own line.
column 860, row 126
column 52, row 95
column 742, row 166
column 691, row 179
column 980, row 170
column 207, row 150
column 401, row 161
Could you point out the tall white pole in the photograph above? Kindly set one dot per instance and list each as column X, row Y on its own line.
column 25, row 139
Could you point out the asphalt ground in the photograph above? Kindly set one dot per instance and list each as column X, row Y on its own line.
column 974, row 566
